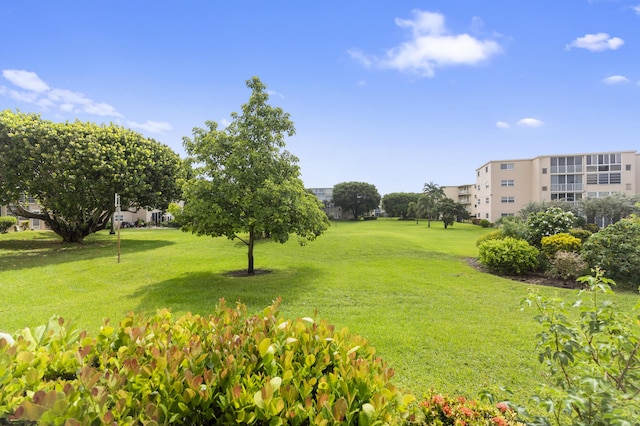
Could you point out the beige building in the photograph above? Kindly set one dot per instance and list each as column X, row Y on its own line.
column 504, row 187
column 463, row 194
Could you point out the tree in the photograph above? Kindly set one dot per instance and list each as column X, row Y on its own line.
column 73, row 170
column 396, row 204
column 432, row 193
column 450, row 211
column 357, row 197
column 245, row 184
column 608, row 210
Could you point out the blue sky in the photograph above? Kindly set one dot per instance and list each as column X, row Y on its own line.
column 394, row 93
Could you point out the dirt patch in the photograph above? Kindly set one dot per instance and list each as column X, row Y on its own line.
column 530, row 278
column 243, row 273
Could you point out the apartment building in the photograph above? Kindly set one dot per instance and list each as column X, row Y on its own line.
column 504, row 187
column 463, row 194
column 326, row 196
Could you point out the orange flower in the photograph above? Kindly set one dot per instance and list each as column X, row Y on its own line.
column 438, row 399
column 502, row 406
column 499, row 421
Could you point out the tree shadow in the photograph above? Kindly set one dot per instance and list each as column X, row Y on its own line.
column 38, row 252
column 199, row 292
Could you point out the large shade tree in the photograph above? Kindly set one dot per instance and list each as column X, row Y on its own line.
column 359, row 198
column 73, row 170
column 396, row 204
column 245, row 184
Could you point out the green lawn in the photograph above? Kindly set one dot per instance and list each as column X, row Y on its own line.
column 405, row 287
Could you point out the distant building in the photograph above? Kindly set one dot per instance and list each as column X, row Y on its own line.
column 326, row 196
column 463, row 194
column 504, row 187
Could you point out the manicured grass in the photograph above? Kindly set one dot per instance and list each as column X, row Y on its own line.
column 407, row 288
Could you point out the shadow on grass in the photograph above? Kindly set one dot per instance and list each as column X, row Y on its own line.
column 38, row 252
column 199, row 292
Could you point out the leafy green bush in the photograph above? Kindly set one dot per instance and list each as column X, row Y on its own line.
column 493, row 235
column 7, row 222
column 484, row 223
column 580, row 233
column 567, row 266
column 508, row 256
column 594, row 361
column 616, row 249
column 550, row 222
column 513, row 226
column 227, row 368
column 560, row 242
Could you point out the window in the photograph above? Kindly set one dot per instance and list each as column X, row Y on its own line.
column 627, row 167
column 506, row 214
column 544, row 170
column 506, row 166
column 615, row 178
column 486, row 169
column 604, row 178
column 628, row 187
column 486, row 215
column 507, row 182
column 604, row 162
column 507, row 200
column 478, row 172
column 544, row 188
column 486, row 200
column 563, row 165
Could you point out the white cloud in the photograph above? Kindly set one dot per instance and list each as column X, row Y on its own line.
column 151, row 126
column 596, row 42
column 615, row 79
column 274, row 93
column 431, row 46
column 530, row 122
column 361, row 83
column 502, row 125
column 26, row 80
column 637, row 9
column 36, row 91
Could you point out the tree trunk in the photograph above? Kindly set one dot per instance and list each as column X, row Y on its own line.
column 250, row 269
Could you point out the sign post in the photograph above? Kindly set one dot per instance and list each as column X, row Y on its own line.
column 117, row 219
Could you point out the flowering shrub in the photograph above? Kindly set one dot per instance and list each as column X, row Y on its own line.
column 437, row 409
column 560, row 242
column 508, row 256
column 550, row 222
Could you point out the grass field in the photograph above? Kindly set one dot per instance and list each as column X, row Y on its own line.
column 405, row 287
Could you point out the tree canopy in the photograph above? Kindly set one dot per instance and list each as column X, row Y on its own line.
column 450, row 211
column 432, row 194
column 396, row 204
column 359, row 198
column 245, row 184
column 73, row 169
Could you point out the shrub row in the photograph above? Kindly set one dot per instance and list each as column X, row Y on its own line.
column 227, row 368
column 565, row 252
